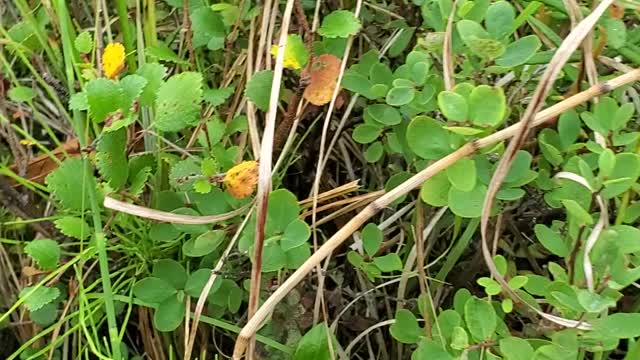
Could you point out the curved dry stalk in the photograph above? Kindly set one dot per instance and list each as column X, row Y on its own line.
column 366, row 332
column 447, row 51
column 207, row 288
column 603, row 221
column 345, row 232
column 264, row 170
column 147, row 213
column 568, row 46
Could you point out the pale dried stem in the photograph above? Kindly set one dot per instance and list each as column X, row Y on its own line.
column 345, row 232
column 264, row 170
column 568, row 46
column 447, row 51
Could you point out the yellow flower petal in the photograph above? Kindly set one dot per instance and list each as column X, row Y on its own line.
column 113, row 60
column 241, row 179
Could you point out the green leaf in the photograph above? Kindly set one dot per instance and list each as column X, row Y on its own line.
column 83, row 42
column 478, row 40
column 480, row 318
column 427, row 138
column 45, row 252
column 297, row 256
column 459, row 338
column 568, row 129
column 577, row 212
column 296, row 55
column 258, row 89
column 462, row 174
column 384, row 114
column 514, row 348
column 487, row 106
column 169, row 314
column 153, row 290
column 198, row 280
column 406, row 329
column 170, row 271
column 499, row 19
column 178, row 102
column 163, row 232
column 620, row 325
column 435, row 191
column 182, row 174
column 73, row 227
column 616, row 32
column 44, row 316
column 519, row 51
column 371, row 239
column 551, row 240
column 419, row 72
column 401, row 95
column 40, row 297
column 202, row 186
column 132, row 87
column 283, row 208
column 394, row 181
column 204, row 244
column 217, row 97
column 518, row 281
column 111, row 157
column 374, row 152
column 70, row 185
column 153, row 73
column 358, row 83
column 626, row 171
column 467, row 204
column 295, row 234
column 273, row 257
column 314, row 345
column 593, row 302
column 163, row 53
column 366, row 133
column 208, row 28
column 453, row 106
column 339, row 23
column 79, row 102
column 430, row 350
column 21, row 94
column 388, row 263
column 104, row 97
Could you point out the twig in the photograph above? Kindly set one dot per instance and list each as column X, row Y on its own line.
column 415, row 181
column 447, row 51
column 568, row 46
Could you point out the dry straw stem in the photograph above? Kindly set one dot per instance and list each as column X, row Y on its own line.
column 264, row 172
column 568, row 46
column 470, row 148
column 147, row 213
column 447, row 51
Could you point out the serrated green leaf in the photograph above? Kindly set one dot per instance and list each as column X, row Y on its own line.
column 111, row 157
column 40, row 297
column 79, row 101
column 207, row 25
column 45, row 252
column 178, row 102
column 163, row 53
column 217, row 97
column 202, row 186
column 84, row 42
column 104, row 97
column 74, row 227
column 153, row 73
column 258, row 89
column 70, row 185
column 339, row 23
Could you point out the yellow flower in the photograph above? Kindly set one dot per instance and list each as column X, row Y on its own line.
column 241, row 179
column 26, row 142
column 113, row 60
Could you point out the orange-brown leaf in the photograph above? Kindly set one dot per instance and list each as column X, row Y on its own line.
column 323, row 79
column 241, row 179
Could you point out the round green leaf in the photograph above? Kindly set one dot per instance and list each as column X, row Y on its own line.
column 406, row 329
column 197, row 281
column 21, row 94
column 153, row 290
column 273, row 257
column 297, row 256
column 453, row 106
column 519, row 51
column 163, row 232
column 427, row 138
column 339, row 23
column 169, row 314
column 462, row 174
column 170, row 271
column 419, row 73
column 399, row 96
column 467, row 204
column 499, row 19
column 258, row 89
column 388, row 263
column 296, row 234
column 204, row 244
column 551, row 240
column 435, row 191
column 283, row 208
column 481, row 319
column 514, row 348
column 384, row 114
column 371, row 239
column 374, row 152
column 381, row 74
column 366, row 133
column 487, row 106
